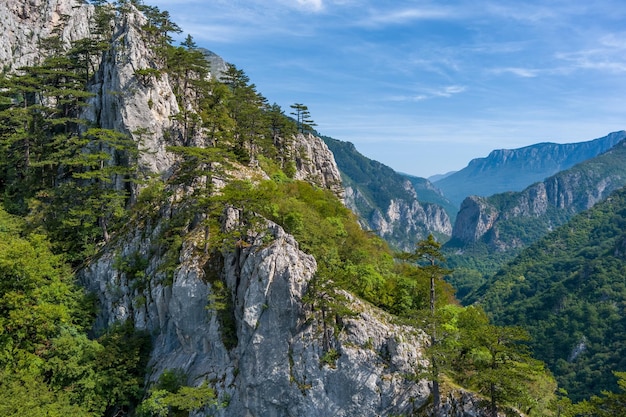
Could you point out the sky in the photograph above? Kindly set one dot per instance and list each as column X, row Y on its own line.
column 426, row 86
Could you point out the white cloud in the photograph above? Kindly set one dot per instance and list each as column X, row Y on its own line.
column 595, row 59
column 449, row 91
column 403, row 16
column 312, row 5
column 427, row 94
column 520, row 72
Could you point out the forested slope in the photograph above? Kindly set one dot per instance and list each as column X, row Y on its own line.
column 387, row 202
column 568, row 290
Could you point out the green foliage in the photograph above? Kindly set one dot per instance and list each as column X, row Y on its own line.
column 303, row 117
column 67, row 175
column 22, row 394
column 567, row 291
column 49, row 366
column 495, row 361
column 330, row 358
column 171, row 398
column 220, row 300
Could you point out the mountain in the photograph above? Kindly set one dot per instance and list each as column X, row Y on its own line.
column 489, row 231
column 387, row 202
column 171, row 245
column 437, row 177
column 568, row 291
column 428, row 193
column 515, row 169
column 513, row 220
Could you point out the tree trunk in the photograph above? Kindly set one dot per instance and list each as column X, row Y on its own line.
column 493, row 405
column 436, row 397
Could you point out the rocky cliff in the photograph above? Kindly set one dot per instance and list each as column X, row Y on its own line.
column 237, row 318
column 25, row 23
column 512, row 220
column 387, row 202
column 276, row 365
column 316, row 164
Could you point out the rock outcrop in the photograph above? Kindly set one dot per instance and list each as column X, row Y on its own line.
column 278, row 365
column 404, row 222
column 124, row 102
column 25, row 24
column 316, row 164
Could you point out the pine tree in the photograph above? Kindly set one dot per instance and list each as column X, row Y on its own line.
column 496, row 361
column 303, row 117
column 430, row 259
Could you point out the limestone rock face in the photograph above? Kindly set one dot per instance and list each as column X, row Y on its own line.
column 316, row 164
column 475, row 218
column 403, row 223
column 25, row 23
column 277, row 366
column 140, row 107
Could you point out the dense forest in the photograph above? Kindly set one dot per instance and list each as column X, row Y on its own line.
column 70, row 187
column 568, row 290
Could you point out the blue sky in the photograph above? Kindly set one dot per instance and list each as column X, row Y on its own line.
column 426, row 86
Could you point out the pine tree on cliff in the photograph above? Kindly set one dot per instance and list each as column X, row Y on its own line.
column 430, row 259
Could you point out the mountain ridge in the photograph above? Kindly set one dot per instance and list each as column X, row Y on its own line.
column 514, row 169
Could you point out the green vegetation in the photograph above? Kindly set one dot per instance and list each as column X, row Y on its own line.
column 169, row 397
column 47, row 363
column 69, row 187
column 567, row 290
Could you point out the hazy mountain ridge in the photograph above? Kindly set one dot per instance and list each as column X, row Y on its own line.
column 512, row 220
column 515, row 169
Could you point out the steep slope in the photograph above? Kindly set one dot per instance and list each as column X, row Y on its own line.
column 428, row 193
column 515, row 169
column 568, row 290
column 225, row 300
column 273, row 361
column 513, row 220
column 385, row 201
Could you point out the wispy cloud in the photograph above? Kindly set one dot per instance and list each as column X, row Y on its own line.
column 449, row 91
column 427, row 94
column 380, row 18
column 311, row 5
column 608, row 55
column 520, row 72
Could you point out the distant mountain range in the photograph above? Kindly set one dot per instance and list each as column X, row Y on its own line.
column 515, row 169
column 515, row 219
